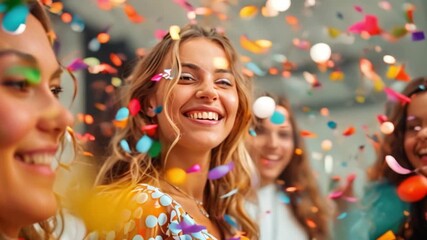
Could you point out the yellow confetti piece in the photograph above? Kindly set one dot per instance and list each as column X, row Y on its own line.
column 333, row 32
column 389, row 235
column 174, row 32
column 248, row 12
column 392, row 71
column 360, row 99
column 336, row 76
column 116, row 82
column 176, row 176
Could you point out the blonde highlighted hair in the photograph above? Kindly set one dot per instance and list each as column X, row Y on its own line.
column 132, row 168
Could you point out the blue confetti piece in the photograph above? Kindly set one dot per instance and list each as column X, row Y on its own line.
column 230, row 220
column 277, row 118
column 94, row 45
column 122, row 114
column 77, row 24
column 252, row 132
column 255, row 69
column 15, row 17
column 332, row 124
column 342, row 216
column 125, row 146
column 418, row 36
column 284, row 198
column 158, row 109
column 144, row 144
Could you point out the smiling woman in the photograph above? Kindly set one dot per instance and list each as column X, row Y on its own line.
column 192, row 90
column 33, row 122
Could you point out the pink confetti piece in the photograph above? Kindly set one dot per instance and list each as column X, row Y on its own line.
column 395, row 166
column 350, row 199
column 157, row 77
column 395, row 96
column 194, row 168
column 160, row 33
column 358, row 8
column 335, row 194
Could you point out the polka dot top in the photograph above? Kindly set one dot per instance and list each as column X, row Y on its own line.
column 153, row 215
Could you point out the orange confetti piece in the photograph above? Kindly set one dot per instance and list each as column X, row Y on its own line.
column 306, row 133
column 310, row 223
column 132, row 15
column 103, row 37
column 248, row 12
column 100, row 106
column 115, row 59
column 88, row 154
column 251, row 46
column 120, row 124
column 291, row 189
column 298, row 151
column 336, row 76
column 56, row 7
column 292, row 20
column 66, row 17
column 349, row 131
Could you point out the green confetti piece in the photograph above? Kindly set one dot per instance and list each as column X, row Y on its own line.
column 32, row 75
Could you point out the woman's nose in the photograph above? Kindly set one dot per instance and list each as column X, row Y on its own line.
column 54, row 117
column 207, row 91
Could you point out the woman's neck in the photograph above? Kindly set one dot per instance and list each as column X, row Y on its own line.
column 195, row 182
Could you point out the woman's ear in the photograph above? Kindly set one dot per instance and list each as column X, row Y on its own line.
column 152, row 105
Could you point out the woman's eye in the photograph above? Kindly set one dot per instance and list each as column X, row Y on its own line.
column 285, row 135
column 186, row 77
column 56, row 90
column 21, row 85
column 224, row 81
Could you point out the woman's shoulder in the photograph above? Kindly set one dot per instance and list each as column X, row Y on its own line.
column 148, row 212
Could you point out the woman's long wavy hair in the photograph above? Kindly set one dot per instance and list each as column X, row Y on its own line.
column 307, row 203
column 393, row 144
column 132, row 168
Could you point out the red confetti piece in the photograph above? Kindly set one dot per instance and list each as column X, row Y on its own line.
column 134, row 107
column 150, row 130
column 306, row 133
column 349, row 131
column 116, row 60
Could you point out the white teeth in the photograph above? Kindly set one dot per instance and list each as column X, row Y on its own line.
column 39, row 159
column 423, row 151
column 204, row 115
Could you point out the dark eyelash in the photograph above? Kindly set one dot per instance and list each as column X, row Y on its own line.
column 56, row 90
column 19, row 84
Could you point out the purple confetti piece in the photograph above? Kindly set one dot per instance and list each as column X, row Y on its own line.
column 220, row 171
column 418, row 36
column 76, row 65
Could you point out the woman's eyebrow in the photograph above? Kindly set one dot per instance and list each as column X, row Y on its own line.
column 24, row 56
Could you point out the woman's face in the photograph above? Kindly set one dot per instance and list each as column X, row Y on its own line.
column 204, row 103
column 32, row 122
column 415, row 141
column 273, row 146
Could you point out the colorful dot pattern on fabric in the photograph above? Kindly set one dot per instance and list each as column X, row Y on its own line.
column 151, row 215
